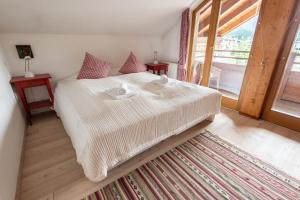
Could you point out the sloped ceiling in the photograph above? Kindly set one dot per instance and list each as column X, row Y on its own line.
column 119, row 17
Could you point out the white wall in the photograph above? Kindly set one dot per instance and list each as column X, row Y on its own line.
column 12, row 128
column 170, row 43
column 61, row 55
column 170, row 48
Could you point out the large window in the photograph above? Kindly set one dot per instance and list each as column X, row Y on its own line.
column 251, row 57
column 231, row 52
column 231, row 41
column 234, row 47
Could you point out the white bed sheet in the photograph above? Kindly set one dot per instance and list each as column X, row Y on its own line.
column 106, row 132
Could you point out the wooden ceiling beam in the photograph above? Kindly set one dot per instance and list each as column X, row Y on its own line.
column 205, row 12
column 204, row 16
column 230, row 23
column 240, row 5
column 230, row 9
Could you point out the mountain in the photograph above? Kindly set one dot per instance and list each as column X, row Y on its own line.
column 240, row 33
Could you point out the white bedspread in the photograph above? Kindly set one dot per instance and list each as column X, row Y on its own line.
column 105, row 132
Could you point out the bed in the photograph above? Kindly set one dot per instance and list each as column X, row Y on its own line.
column 107, row 132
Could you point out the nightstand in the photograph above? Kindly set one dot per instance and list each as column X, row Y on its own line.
column 156, row 68
column 20, row 82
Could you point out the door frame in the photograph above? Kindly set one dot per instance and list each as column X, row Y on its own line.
column 268, row 114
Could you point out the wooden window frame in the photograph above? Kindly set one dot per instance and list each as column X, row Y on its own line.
column 274, row 18
column 260, row 67
column 269, row 114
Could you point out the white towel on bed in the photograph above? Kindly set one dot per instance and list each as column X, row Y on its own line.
column 121, row 92
column 163, row 80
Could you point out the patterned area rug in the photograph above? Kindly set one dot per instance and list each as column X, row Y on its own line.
column 205, row 167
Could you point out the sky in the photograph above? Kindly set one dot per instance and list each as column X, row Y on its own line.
column 251, row 24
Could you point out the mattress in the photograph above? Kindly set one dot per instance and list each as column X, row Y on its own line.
column 105, row 132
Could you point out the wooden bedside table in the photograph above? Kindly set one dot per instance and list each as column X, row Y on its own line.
column 157, row 67
column 20, row 82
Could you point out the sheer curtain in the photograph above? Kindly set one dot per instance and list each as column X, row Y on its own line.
column 184, row 35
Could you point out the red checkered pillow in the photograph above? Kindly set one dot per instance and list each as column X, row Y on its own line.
column 132, row 65
column 93, row 68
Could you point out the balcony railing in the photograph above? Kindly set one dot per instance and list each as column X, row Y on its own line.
column 226, row 56
column 238, row 57
column 233, row 63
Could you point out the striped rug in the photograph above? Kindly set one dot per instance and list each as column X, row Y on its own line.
column 205, row 167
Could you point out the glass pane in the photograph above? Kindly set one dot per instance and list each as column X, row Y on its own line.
column 203, row 19
column 288, row 96
column 237, row 24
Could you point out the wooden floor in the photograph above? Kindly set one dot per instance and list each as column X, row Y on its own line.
column 50, row 170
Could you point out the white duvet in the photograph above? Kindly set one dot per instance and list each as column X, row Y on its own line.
column 105, row 132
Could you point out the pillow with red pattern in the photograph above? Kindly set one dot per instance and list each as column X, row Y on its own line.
column 93, row 68
column 132, row 65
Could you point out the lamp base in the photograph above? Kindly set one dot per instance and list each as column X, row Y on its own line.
column 29, row 75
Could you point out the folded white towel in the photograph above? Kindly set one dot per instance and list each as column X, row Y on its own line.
column 119, row 97
column 163, row 79
column 123, row 89
column 121, row 92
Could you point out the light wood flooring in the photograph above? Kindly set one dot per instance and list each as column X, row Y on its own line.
column 50, row 170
